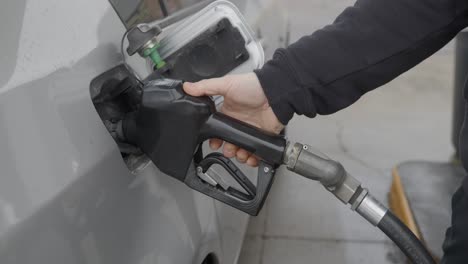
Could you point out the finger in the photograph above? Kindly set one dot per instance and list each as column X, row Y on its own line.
column 242, row 155
column 215, row 86
column 229, row 150
column 252, row 161
column 215, row 143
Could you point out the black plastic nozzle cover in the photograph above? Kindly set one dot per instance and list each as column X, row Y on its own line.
column 170, row 125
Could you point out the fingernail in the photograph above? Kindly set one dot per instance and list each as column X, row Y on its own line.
column 242, row 156
column 241, row 160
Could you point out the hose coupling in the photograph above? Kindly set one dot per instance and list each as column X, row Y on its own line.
column 369, row 207
column 312, row 164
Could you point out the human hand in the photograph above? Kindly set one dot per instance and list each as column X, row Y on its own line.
column 244, row 100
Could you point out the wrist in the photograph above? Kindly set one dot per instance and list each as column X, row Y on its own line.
column 275, row 85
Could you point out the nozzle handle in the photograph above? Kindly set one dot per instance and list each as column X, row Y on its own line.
column 267, row 146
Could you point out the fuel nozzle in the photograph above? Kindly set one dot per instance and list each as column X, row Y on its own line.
column 314, row 165
column 143, row 38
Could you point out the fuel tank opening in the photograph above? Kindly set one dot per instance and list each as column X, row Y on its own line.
column 114, row 94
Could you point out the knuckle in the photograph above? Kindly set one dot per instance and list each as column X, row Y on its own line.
column 201, row 85
column 229, row 82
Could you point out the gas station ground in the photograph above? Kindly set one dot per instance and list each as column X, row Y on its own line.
column 408, row 119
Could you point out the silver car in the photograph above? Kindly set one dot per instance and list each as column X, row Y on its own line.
column 66, row 194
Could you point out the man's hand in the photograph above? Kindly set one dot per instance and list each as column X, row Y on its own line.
column 244, row 100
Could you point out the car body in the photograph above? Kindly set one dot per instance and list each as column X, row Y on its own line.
column 66, row 195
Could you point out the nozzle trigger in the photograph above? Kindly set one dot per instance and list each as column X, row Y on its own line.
column 208, row 180
column 207, row 172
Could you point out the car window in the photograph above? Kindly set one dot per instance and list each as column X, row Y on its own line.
column 133, row 12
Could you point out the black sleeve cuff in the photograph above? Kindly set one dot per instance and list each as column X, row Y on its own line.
column 285, row 95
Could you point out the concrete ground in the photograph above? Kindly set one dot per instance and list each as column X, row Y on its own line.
column 408, row 119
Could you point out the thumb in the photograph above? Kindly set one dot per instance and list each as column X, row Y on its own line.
column 215, row 86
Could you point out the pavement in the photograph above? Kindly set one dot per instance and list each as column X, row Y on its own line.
column 407, row 119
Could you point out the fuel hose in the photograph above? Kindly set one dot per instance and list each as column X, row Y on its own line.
column 404, row 238
column 314, row 165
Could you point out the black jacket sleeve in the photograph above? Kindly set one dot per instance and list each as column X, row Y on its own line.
column 368, row 45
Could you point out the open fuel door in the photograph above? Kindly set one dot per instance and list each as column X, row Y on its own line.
column 211, row 43
column 138, row 112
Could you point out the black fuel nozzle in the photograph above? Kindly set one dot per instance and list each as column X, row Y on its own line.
column 170, row 127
